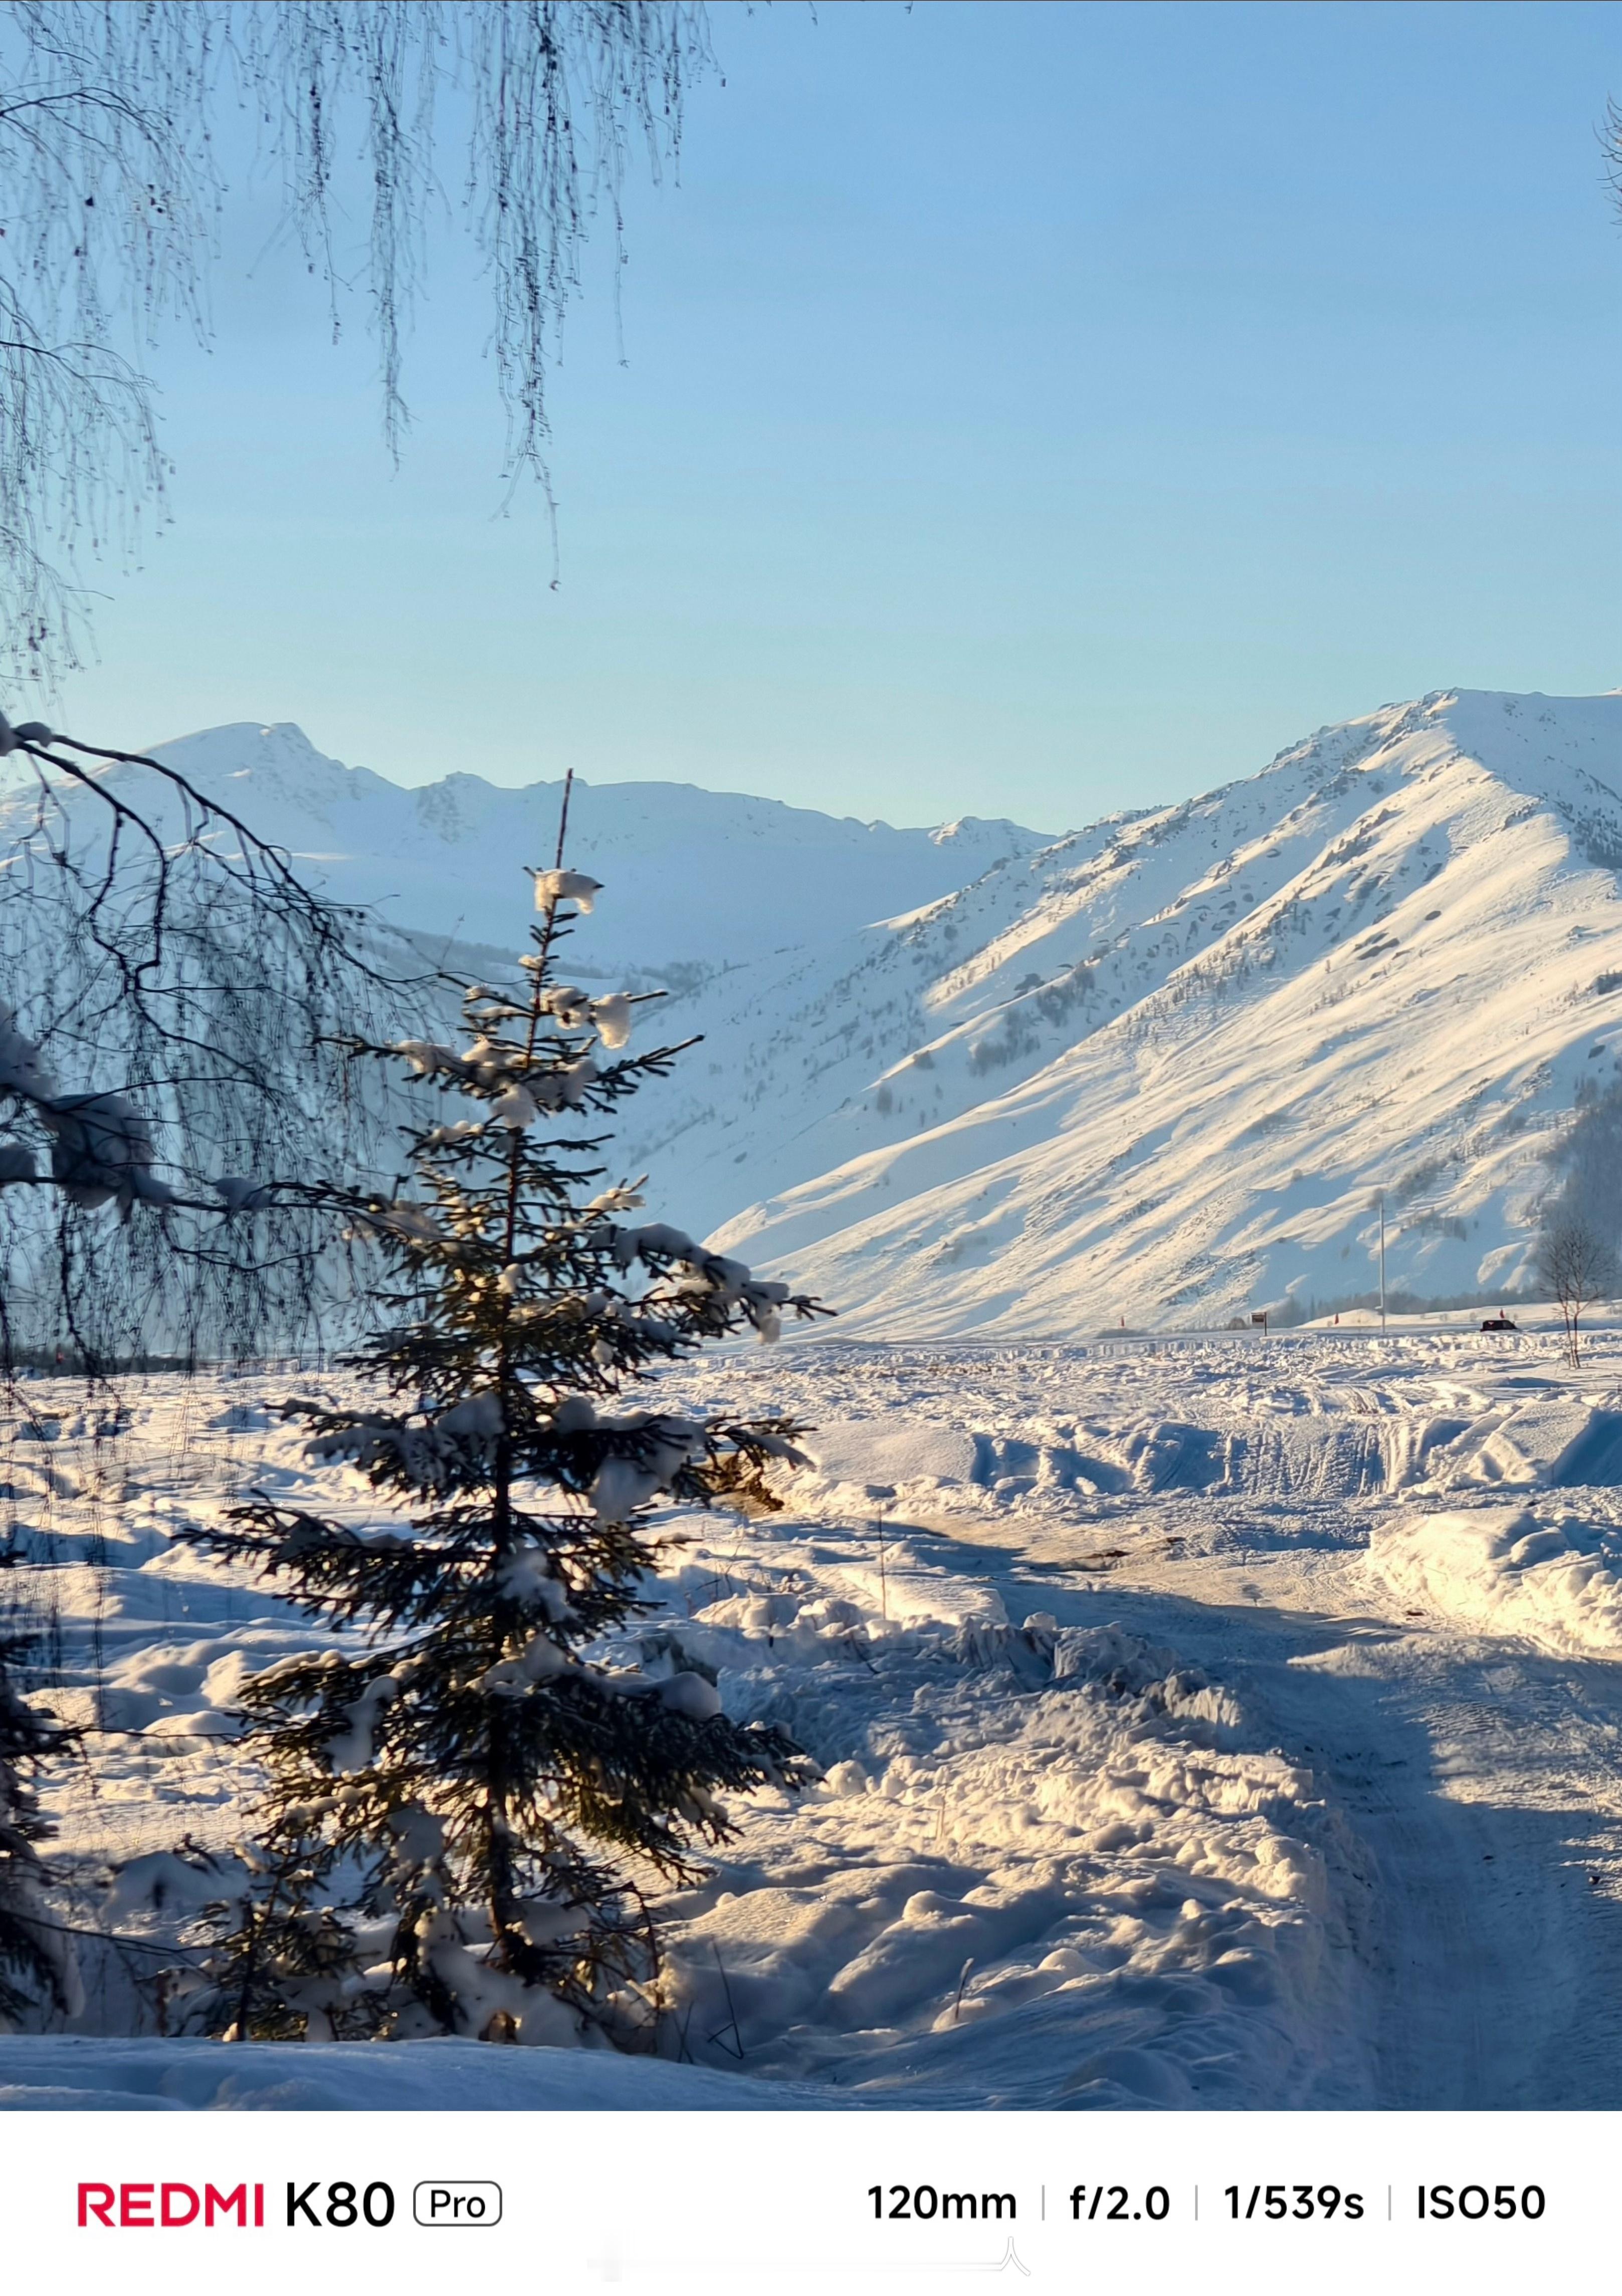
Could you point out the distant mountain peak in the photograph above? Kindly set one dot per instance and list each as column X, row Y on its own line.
column 695, row 877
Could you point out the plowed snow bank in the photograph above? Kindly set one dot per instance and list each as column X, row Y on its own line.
column 1549, row 1576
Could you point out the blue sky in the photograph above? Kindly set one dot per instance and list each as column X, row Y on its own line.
column 1030, row 410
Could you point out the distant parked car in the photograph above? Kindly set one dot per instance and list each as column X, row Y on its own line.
column 1500, row 1323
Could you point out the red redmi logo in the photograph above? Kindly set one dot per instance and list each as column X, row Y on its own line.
column 169, row 2206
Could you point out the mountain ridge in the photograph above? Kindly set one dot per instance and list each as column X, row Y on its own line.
column 1158, row 1070
column 680, row 854
column 1381, row 964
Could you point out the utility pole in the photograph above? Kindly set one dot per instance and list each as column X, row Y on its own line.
column 1382, row 1259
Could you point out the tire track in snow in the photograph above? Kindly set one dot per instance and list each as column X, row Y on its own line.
column 1482, row 1778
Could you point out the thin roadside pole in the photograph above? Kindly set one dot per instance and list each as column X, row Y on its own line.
column 1382, row 1259
column 881, row 1493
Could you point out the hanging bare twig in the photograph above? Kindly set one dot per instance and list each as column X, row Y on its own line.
column 112, row 186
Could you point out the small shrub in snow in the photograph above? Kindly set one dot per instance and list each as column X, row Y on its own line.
column 463, row 1797
column 36, row 1966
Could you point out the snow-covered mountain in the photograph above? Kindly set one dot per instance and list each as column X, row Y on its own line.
column 700, row 879
column 1161, row 1071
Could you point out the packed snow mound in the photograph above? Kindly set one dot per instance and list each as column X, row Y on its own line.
column 1160, row 1073
column 697, row 879
column 1551, row 1575
column 882, row 1455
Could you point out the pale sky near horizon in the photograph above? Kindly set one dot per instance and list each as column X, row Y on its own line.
column 1030, row 410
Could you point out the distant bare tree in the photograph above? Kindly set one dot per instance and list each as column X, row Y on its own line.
column 111, row 187
column 1579, row 1268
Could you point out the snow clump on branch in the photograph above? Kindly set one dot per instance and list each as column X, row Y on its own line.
column 102, row 1150
column 554, row 885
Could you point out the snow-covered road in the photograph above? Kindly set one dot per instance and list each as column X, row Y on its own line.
column 1482, row 1780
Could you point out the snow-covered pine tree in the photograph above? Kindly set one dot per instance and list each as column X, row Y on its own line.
column 461, row 1802
column 37, row 1966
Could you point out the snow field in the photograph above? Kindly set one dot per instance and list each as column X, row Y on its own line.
column 72, row 2072
column 1046, row 1864
column 1309, row 1418
column 1146, row 1696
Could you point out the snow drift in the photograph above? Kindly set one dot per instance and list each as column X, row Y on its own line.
column 1550, row 1574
